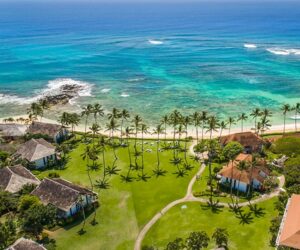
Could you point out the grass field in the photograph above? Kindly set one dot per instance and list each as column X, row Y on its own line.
column 125, row 207
column 179, row 222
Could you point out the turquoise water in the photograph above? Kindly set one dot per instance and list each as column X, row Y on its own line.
column 152, row 58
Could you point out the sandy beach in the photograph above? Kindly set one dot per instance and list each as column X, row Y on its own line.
column 289, row 127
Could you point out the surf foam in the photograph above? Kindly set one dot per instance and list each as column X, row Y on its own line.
column 250, row 46
column 52, row 88
column 155, row 42
column 284, row 52
column 124, row 95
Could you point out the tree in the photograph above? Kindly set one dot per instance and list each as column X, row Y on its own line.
column 8, row 232
column 243, row 117
column 124, row 117
column 177, row 244
column 158, row 130
column 255, row 114
column 137, row 123
column 26, row 202
column 86, row 111
column 35, row 110
column 73, row 120
column 285, row 108
column 203, row 119
column 195, row 117
column 212, row 125
column 197, row 240
column 8, row 202
column 231, row 121
column 165, row 121
column 220, row 236
column 230, row 151
column 97, row 111
column 296, row 108
column 222, row 126
column 36, row 217
column 144, row 130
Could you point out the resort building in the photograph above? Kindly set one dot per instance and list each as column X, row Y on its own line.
column 242, row 180
column 25, row 244
column 11, row 131
column 68, row 198
column 12, row 179
column 250, row 141
column 38, row 152
column 54, row 131
column 289, row 231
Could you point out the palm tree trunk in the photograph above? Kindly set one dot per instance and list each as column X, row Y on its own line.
column 284, row 124
column 121, row 136
column 157, row 151
column 295, row 119
column 197, row 136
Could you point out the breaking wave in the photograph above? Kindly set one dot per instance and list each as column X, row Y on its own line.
column 54, row 87
column 155, row 42
column 284, row 52
column 250, row 46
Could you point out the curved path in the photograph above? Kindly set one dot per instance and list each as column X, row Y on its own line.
column 189, row 197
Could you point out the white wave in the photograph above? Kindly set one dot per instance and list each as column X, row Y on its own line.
column 284, row 52
column 124, row 95
column 136, row 79
column 155, row 42
column 53, row 88
column 105, row 90
column 250, row 46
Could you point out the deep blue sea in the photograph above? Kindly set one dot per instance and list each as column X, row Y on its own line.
column 225, row 58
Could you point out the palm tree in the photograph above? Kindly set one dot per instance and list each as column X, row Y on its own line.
column 35, row 109
column 197, row 122
column 165, row 121
column 220, row 235
column 127, row 178
column 175, row 119
column 86, row 111
column 222, row 126
column 97, row 111
column 112, row 126
column 285, row 108
column 73, row 120
column 64, row 119
column 266, row 113
column 231, row 121
column 241, row 166
column 264, row 124
column 255, row 114
column 44, row 106
column 95, row 129
column 243, row 117
column 124, row 115
column 158, row 130
column 296, row 108
column 186, row 122
column 137, row 123
column 203, row 119
column 144, row 130
column 212, row 125
column 115, row 114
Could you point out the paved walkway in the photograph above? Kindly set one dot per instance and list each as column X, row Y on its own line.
column 189, row 197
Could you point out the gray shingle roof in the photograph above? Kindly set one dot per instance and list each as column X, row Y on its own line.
column 60, row 193
column 12, row 130
column 44, row 128
column 25, row 244
column 35, row 149
column 12, row 179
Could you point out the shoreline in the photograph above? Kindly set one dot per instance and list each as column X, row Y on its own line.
column 290, row 127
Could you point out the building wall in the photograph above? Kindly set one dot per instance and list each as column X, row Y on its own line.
column 42, row 163
column 242, row 186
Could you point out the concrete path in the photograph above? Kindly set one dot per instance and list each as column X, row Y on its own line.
column 189, row 197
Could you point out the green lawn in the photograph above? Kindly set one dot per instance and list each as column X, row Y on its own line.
column 179, row 222
column 125, row 207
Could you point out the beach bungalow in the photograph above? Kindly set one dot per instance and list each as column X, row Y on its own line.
column 38, row 152
column 288, row 235
column 250, row 141
column 12, row 131
column 12, row 179
column 25, row 244
column 68, row 198
column 56, row 132
column 243, row 180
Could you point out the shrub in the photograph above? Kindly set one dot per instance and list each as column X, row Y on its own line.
column 53, row 175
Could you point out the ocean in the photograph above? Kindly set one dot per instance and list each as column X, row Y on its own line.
column 152, row 58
